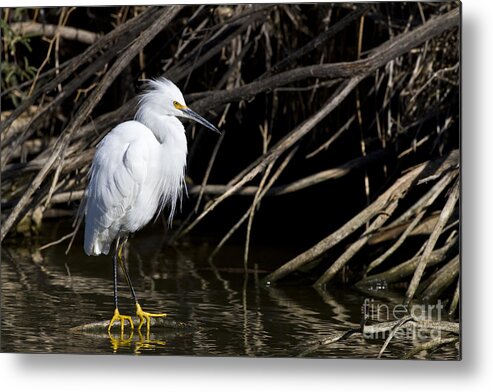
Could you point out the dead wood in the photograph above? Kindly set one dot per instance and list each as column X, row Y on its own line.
column 432, row 195
column 391, row 328
column 381, row 56
column 439, row 281
column 279, row 148
column 162, row 322
column 444, row 217
column 49, row 31
column 407, row 268
column 431, row 345
column 317, row 41
column 455, row 299
column 398, row 190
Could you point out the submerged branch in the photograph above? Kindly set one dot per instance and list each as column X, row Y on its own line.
column 159, row 322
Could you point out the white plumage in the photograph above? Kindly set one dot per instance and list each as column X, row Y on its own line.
column 138, row 168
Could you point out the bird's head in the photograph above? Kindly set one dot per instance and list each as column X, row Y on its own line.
column 164, row 97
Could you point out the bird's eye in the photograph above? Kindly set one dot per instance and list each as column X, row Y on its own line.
column 178, row 105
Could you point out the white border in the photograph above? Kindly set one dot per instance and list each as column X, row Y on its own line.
column 94, row 373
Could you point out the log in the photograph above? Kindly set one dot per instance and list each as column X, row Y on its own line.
column 156, row 323
column 444, row 326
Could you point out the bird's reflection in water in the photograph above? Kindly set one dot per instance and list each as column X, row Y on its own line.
column 135, row 342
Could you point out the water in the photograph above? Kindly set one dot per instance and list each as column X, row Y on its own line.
column 45, row 294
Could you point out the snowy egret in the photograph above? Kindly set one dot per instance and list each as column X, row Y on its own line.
column 137, row 170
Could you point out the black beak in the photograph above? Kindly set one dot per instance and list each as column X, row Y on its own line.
column 189, row 113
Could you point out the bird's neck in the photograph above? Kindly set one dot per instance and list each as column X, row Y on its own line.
column 169, row 131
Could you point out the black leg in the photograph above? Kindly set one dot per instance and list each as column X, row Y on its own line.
column 115, row 273
column 145, row 317
column 116, row 315
column 121, row 260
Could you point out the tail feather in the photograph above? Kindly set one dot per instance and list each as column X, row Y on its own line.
column 95, row 244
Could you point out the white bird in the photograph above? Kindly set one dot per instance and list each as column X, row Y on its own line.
column 137, row 170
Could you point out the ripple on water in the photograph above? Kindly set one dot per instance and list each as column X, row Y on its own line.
column 42, row 301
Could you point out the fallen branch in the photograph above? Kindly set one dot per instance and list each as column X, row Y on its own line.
column 379, row 328
column 392, row 333
column 443, row 278
column 407, row 268
column 432, row 195
column 279, row 148
column 391, row 327
column 102, row 326
column 381, row 55
column 327, row 341
column 398, row 190
column 49, row 31
column 431, row 345
column 317, row 41
column 382, row 217
column 444, row 217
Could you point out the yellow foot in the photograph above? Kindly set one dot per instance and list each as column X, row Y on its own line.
column 121, row 318
column 145, row 317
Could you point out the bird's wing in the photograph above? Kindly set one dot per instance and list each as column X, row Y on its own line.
column 118, row 172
